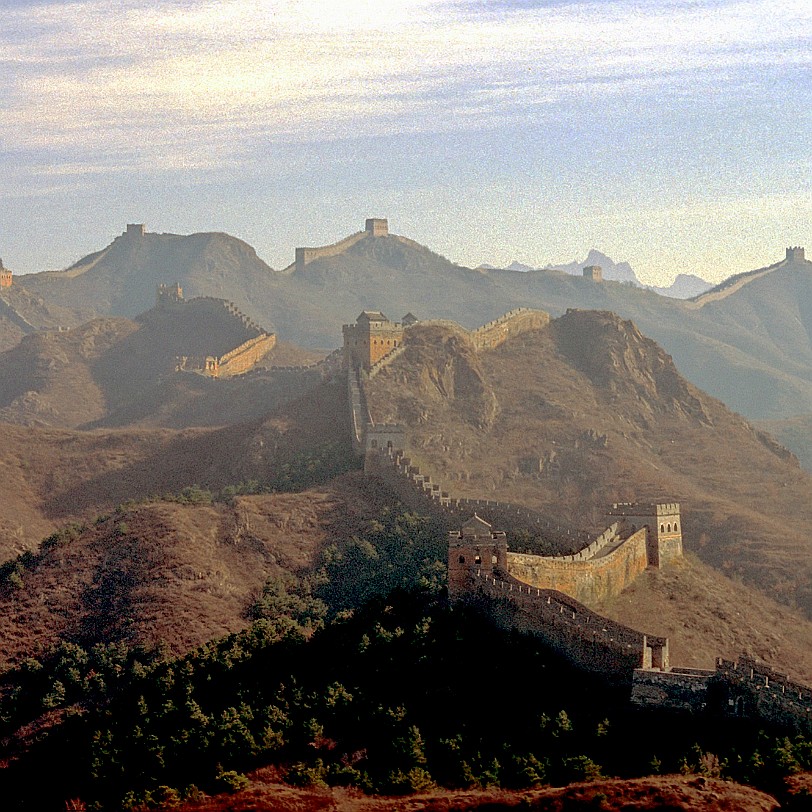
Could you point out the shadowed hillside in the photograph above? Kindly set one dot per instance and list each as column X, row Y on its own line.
column 53, row 476
column 120, row 372
column 605, row 417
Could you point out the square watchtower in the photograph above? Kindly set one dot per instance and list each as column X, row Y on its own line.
column 377, row 226
column 664, row 528
column 474, row 547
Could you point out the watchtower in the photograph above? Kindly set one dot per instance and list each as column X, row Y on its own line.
column 475, row 547
column 370, row 338
column 168, row 295
column 5, row 276
column 593, row 272
column 795, row 254
column 135, row 230
column 664, row 528
column 377, row 226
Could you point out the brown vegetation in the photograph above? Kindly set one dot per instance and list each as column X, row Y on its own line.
column 52, row 476
column 688, row 793
column 177, row 574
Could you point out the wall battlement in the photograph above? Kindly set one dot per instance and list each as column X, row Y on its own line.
column 512, row 323
column 373, row 227
column 744, row 688
column 241, row 358
column 603, row 567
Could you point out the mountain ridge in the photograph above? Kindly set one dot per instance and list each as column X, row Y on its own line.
column 737, row 362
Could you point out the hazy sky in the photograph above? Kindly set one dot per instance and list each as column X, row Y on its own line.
column 674, row 135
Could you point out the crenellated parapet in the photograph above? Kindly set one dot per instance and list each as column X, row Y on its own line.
column 513, row 323
column 241, row 358
column 745, row 688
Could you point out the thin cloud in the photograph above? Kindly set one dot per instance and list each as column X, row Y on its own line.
column 95, row 70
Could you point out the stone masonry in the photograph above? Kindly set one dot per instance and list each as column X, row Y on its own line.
column 544, row 594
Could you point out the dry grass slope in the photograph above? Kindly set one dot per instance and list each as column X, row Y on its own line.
column 606, row 413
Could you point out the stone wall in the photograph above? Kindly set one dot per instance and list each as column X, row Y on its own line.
column 307, row 255
column 514, row 322
column 359, row 414
column 751, row 689
column 745, row 688
column 681, row 689
column 12, row 315
column 242, row 358
column 603, row 566
column 587, row 577
column 586, row 638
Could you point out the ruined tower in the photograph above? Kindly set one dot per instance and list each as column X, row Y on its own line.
column 168, row 295
column 135, row 230
column 593, row 272
column 795, row 254
column 5, row 276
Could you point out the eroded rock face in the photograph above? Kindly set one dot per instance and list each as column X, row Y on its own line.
column 438, row 371
column 616, row 356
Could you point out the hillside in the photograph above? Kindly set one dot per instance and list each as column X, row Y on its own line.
column 120, row 280
column 22, row 312
column 173, row 573
column 118, row 372
column 606, row 416
column 50, row 477
column 794, row 433
column 739, row 348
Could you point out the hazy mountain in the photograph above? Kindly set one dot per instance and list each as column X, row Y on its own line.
column 732, row 355
column 23, row 312
column 616, row 271
column 685, row 286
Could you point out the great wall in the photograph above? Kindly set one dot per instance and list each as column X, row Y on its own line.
column 256, row 343
column 547, row 595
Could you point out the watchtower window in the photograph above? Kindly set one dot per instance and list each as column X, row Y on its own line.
column 477, row 560
column 462, row 559
column 494, row 560
column 669, row 527
column 662, row 528
column 676, row 527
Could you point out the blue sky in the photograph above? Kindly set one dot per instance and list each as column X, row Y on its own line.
column 674, row 135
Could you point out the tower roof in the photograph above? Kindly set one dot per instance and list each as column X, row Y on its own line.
column 476, row 527
column 371, row 315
